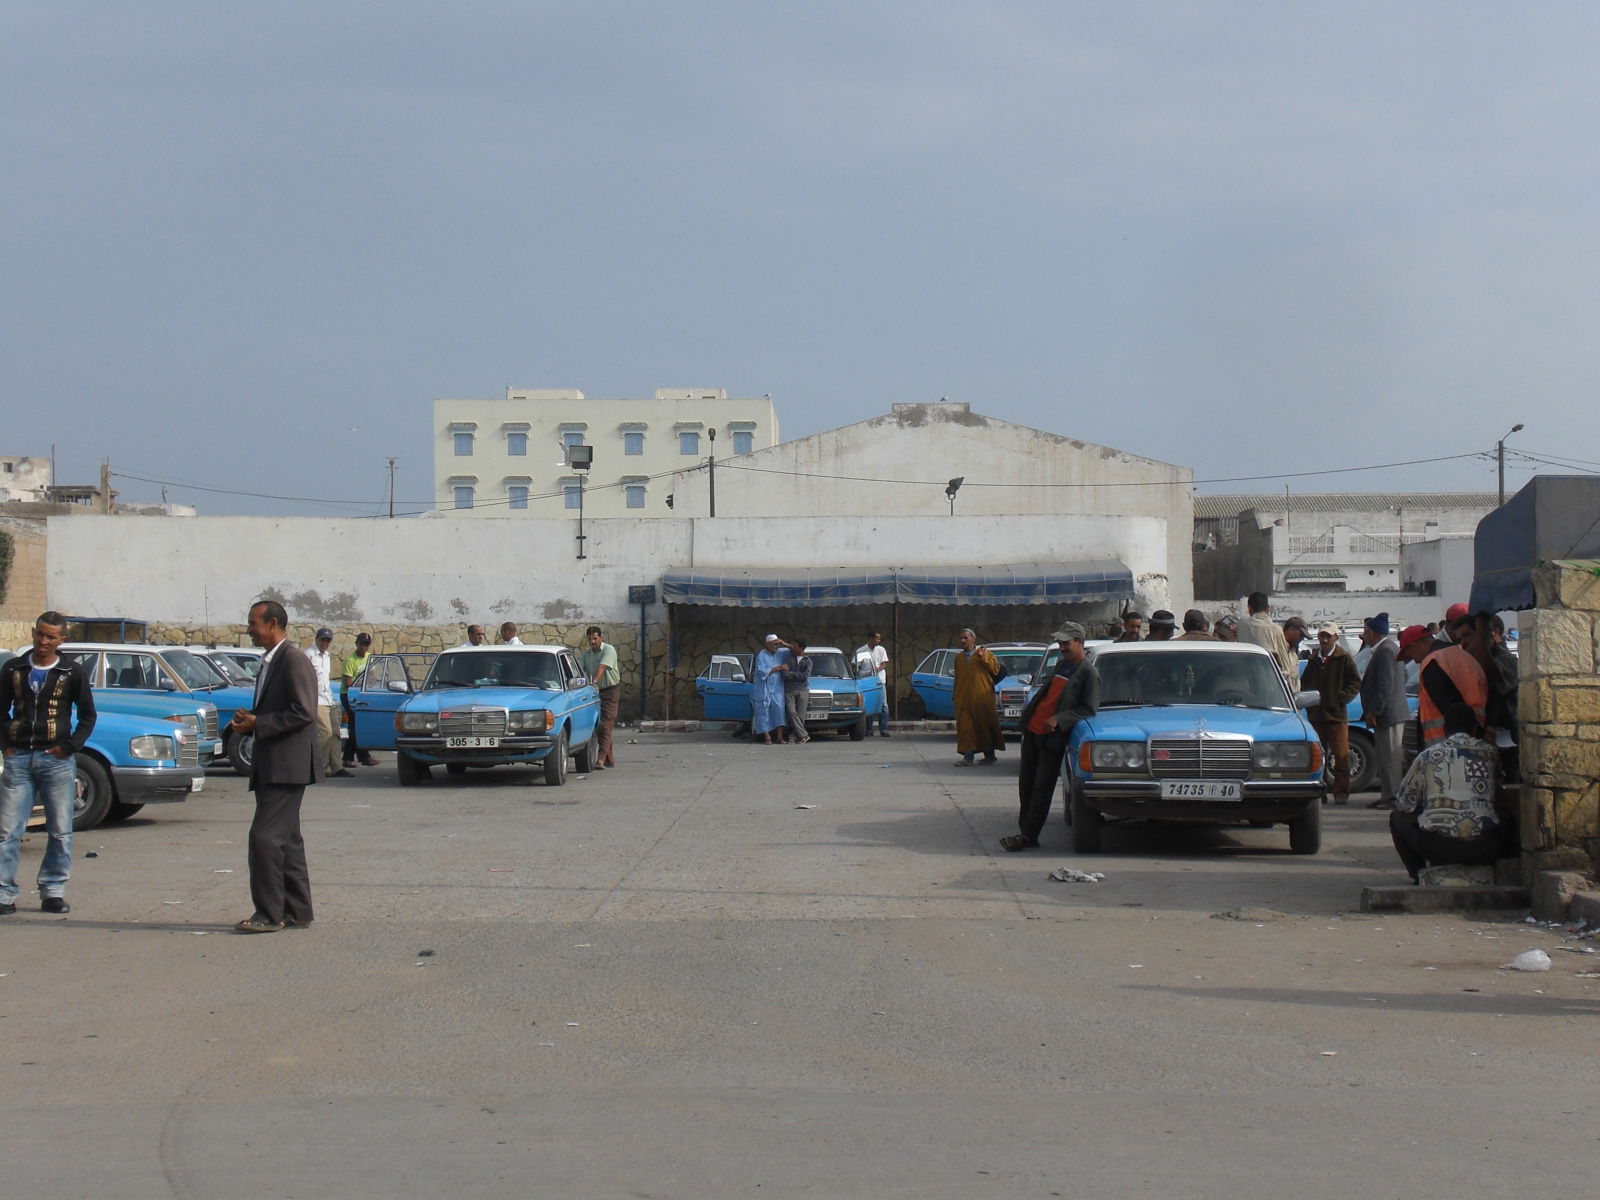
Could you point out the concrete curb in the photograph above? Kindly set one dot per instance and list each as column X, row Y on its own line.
column 1413, row 899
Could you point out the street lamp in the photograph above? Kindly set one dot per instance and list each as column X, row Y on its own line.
column 580, row 459
column 1500, row 460
column 951, row 489
column 711, row 433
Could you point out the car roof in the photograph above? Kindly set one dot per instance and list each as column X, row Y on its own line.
column 1175, row 644
column 502, row 648
column 1017, row 645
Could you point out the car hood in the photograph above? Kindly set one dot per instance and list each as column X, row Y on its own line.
column 835, row 685
column 140, row 704
column 1136, row 724
column 514, row 699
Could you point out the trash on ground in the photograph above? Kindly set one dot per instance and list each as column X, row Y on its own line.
column 1528, row 960
column 222, row 871
column 805, row 805
column 425, row 953
column 1328, row 1053
column 92, row 854
column 1073, row 875
column 1248, row 914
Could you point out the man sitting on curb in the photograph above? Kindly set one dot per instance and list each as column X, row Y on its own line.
column 1446, row 812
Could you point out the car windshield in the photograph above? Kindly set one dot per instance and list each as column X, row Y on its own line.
column 233, row 671
column 248, row 664
column 829, row 665
column 197, row 673
column 506, row 668
column 1017, row 662
column 1192, row 677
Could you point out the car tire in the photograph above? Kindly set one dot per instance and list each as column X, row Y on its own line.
column 411, row 771
column 555, row 763
column 121, row 812
column 585, row 756
column 1305, row 831
column 859, row 729
column 1086, row 823
column 1363, row 761
column 241, row 751
column 91, row 803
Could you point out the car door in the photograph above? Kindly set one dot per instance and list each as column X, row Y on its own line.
column 138, row 671
column 373, row 703
column 724, row 689
column 583, row 700
column 935, row 682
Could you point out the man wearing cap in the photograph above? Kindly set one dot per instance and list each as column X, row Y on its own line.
column 1294, row 633
column 1072, row 694
column 349, row 670
column 1132, row 626
column 1332, row 674
column 328, row 747
column 766, row 692
column 1449, row 676
column 1162, row 623
column 1258, row 629
column 1383, row 705
column 1226, row 629
column 1453, row 616
column 1195, row 627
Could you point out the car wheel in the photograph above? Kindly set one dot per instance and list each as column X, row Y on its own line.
column 92, row 801
column 1305, row 831
column 859, row 729
column 411, row 771
column 1363, row 761
column 585, row 756
column 555, row 763
column 121, row 812
column 1086, row 823
column 241, row 751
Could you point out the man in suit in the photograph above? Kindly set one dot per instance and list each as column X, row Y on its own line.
column 284, row 722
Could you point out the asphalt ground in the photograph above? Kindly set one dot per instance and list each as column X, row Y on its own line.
column 733, row 970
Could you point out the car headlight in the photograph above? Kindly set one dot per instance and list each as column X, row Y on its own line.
column 1117, row 756
column 153, row 746
column 538, row 720
column 847, row 699
column 417, row 722
column 1283, row 756
column 190, row 721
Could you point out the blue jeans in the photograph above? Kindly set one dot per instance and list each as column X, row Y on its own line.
column 36, row 776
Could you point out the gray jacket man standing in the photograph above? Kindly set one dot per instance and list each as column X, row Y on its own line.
column 1383, row 705
column 284, row 722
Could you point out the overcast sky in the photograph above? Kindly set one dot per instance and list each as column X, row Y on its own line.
column 246, row 244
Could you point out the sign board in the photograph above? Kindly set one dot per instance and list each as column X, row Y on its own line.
column 643, row 593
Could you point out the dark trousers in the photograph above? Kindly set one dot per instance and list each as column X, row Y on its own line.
column 280, row 885
column 1036, row 782
column 609, row 699
column 1335, row 736
column 1418, row 847
column 352, row 752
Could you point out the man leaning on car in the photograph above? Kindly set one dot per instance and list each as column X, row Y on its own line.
column 1072, row 694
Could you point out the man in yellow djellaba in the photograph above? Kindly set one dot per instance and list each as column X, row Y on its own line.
column 977, row 719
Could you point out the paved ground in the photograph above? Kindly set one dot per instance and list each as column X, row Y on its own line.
column 671, row 980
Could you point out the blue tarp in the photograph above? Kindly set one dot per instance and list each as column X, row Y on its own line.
column 1553, row 517
column 1106, row 580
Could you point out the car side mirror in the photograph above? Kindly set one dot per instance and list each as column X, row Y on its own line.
column 400, row 685
column 168, row 686
column 738, row 677
column 1307, row 699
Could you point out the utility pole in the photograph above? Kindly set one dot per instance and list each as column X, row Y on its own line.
column 391, row 489
column 1500, row 462
column 712, row 434
column 105, row 486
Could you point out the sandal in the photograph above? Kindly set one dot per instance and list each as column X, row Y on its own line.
column 963, row 762
column 1015, row 842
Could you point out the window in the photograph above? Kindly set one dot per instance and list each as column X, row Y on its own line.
column 463, row 494
column 517, row 444
column 517, row 495
column 635, row 495
column 633, row 442
column 463, row 441
column 744, row 441
column 688, row 442
column 572, row 437
column 571, row 495
column 132, row 671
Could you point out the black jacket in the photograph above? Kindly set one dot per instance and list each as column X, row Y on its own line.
column 44, row 721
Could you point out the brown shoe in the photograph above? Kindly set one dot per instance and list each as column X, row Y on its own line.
column 256, row 923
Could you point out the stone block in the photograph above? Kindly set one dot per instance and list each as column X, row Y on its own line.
column 1441, row 899
column 1573, row 702
column 1456, row 876
column 1536, row 819
column 1576, row 816
column 1534, row 702
column 1552, row 893
column 1567, row 585
column 1557, row 642
column 1560, row 858
column 1511, row 872
column 1567, row 756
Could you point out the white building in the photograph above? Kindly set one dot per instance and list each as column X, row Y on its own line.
column 1340, row 541
column 26, row 479
column 509, row 457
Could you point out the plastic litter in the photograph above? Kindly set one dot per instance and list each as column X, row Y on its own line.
column 1528, row 960
column 805, row 805
column 1073, row 875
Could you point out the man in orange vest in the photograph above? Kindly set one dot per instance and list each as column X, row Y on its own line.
column 1451, row 675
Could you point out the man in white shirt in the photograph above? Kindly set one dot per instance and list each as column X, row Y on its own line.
column 474, row 638
column 327, row 712
column 1258, row 629
column 874, row 655
column 508, row 634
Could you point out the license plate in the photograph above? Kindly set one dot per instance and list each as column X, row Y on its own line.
column 1011, row 711
column 196, row 784
column 471, row 743
column 1196, row 789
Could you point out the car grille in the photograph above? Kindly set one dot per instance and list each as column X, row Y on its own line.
column 1200, row 758
column 189, row 750
column 473, row 722
column 211, row 724
column 818, row 703
column 1013, row 696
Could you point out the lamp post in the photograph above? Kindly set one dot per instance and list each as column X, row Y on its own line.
column 1500, row 460
column 950, row 490
column 712, row 435
column 580, row 459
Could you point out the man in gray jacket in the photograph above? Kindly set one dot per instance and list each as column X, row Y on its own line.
column 1066, row 698
column 1383, row 705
